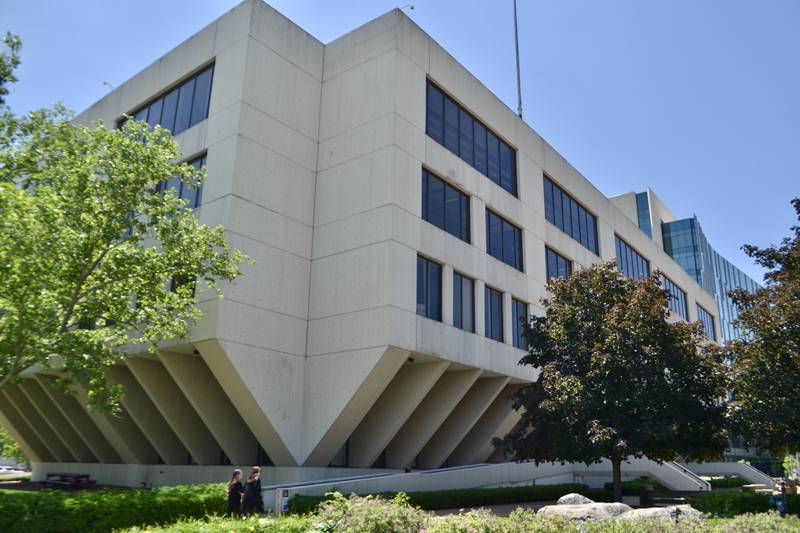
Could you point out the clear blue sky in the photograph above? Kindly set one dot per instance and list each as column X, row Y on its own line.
column 699, row 100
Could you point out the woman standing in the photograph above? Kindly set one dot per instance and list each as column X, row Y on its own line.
column 235, row 490
column 253, row 501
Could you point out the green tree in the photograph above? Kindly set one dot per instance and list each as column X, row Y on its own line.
column 617, row 378
column 10, row 449
column 98, row 258
column 766, row 360
column 9, row 61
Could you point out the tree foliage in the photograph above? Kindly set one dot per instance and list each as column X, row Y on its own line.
column 10, row 449
column 96, row 260
column 9, row 61
column 617, row 378
column 766, row 360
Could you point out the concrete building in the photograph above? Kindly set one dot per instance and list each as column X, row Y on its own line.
column 401, row 218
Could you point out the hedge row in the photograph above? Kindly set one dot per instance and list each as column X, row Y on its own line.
column 456, row 499
column 52, row 511
column 634, row 486
column 727, row 482
column 736, row 503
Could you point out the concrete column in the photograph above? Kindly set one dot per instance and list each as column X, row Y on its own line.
column 120, row 430
column 480, row 307
column 497, row 421
column 460, row 421
column 428, row 416
column 508, row 320
column 147, row 417
column 447, row 295
column 408, row 388
column 80, row 421
column 477, row 217
column 176, row 409
column 28, row 440
column 46, row 434
column 197, row 382
column 60, row 426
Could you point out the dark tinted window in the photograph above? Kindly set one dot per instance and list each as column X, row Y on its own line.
column 557, row 265
column 429, row 289
column 454, row 127
column 503, row 240
column 561, row 210
column 445, row 206
column 493, row 314
column 677, row 298
column 463, row 302
column 629, row 262
column 180, row 108
column 708, row 322
column 519, row 311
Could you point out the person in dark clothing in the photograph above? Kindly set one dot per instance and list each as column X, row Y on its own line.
column 235, row 490
column 253, row 501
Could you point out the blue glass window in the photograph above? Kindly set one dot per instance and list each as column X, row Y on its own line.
column 708, row 322
column 503, row 240
column 493, row 314
column 519, row 311
column 180, row 108
column 429, row 289
column 193, row 195
column 558, row 266
column 457, row 130
column 463, row 302
column 676, row 300
column 445, row 206
column 564, row 212
column 629, row 262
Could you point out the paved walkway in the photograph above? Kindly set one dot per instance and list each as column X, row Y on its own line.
column 505, row 509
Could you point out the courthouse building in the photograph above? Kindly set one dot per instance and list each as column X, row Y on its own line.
column 402, row 220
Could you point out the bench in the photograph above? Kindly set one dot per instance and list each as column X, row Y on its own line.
column 67, row 479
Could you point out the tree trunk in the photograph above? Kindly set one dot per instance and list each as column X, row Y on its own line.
column 616, row 472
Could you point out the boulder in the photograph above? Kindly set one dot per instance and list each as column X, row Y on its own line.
column 573, row 499
column 586, row 511
column 684, row 511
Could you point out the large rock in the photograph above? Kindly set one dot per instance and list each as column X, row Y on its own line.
column 573, row 499
column 684, row 511
column 586, row 511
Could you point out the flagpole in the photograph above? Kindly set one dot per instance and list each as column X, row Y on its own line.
column 516, row 45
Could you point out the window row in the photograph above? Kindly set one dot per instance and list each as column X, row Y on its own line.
column 557, row 265
column 564, row 212
column 445, row 206
column 429, row 303
column 708, row 322
column 629, row 261
column 193, row 194
column 456, row 129
column 677, row 298
column 182, row 107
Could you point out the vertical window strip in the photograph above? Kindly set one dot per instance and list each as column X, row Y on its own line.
column 504, row 240
column 556, row 264
column 520, row 317
column 708, row 322
column 460, row 132
column 493, row 314
column 445, row 206
column 677, row 298
column 429, row 289
column 463, row 302
column 564, row 212
column 629, row 261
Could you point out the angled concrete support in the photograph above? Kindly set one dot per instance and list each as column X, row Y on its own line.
column 428, row 416
column 176, row 409
column 60, row 426
column 203, row 391
column 460, row 421
column 46, row 434
column 147, row 417
column 260, row 384
column 497, row 421
column 408, row 388
column 121, row 431
column 340, row 389
column 29, row 441
column 80, row 421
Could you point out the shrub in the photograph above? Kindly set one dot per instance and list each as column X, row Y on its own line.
column 218, row 524
column 369, row 514
column 633, row 487
column 736, row 503
column 454, row 499
column 727, row 482
column 101, row 511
